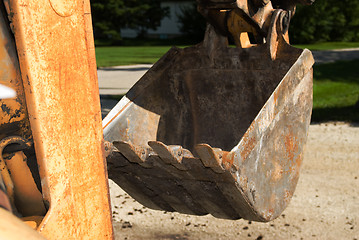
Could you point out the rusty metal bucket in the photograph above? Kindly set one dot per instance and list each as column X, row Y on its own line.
column 214, row 129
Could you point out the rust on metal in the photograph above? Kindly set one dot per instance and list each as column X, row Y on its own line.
column 58, row 68
column 227, row 159
column 210, row 157
column 169, row 154
column 248, row 146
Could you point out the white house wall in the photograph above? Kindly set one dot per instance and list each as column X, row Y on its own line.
column 169, row 25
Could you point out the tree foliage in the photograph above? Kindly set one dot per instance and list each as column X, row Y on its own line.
column 326, row 20
column 109, row 16
column 192, row 23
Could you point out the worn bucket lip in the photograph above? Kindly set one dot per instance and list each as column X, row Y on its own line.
column 305, row 59
column 307, row 64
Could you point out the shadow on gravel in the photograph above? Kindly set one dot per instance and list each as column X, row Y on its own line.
column 131, row 69
column 345, row 114
column 108, row 102
column 172, row 237
column 330, row 56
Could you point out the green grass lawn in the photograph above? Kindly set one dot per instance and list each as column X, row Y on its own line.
column 336, row 91
column 116, row 56
column 127, row 55
column 336, row 85
column 329, row 45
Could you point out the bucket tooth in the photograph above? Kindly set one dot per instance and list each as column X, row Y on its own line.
column 210, row 157
column 135, row 154
column 170, row 154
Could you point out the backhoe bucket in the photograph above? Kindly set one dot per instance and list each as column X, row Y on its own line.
column 211, row 129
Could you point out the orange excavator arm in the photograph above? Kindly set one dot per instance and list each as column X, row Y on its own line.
column 57, row 113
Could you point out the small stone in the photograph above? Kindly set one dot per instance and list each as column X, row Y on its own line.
column 260, row 237
column 245, row 228
column 187, row 224
column 138, row 210
column 126, row 224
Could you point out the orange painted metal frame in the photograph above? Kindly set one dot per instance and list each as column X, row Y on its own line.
column 57, row 61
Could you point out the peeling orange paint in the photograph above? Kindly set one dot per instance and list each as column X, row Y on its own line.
column 227, row 159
